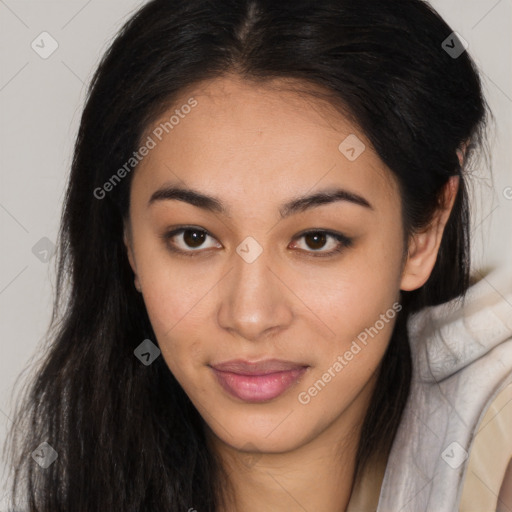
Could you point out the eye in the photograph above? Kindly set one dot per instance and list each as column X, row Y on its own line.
column 317, row 240
column 189, row 240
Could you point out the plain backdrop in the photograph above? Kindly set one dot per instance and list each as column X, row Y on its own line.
column 41, row 102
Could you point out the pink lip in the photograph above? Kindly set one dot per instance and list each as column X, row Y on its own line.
column 260, row 381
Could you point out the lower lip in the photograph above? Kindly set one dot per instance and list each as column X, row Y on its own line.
column 258, row 388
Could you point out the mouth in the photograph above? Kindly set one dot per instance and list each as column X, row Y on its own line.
column 259, row 381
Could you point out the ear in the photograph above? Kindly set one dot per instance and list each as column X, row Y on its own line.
column 128, row 242
column 424, row 245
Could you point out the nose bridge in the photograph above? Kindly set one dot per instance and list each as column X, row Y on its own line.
column 252, row 298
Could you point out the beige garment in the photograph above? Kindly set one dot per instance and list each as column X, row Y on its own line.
column 488, row 459
column 489, row 456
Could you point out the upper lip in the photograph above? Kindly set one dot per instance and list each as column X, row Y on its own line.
column 265, row 367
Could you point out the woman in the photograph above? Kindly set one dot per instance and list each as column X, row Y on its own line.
column 261, row 196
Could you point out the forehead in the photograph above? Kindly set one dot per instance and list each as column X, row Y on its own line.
column 259, row 142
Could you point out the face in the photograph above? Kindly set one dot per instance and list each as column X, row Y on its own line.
column 258, row 272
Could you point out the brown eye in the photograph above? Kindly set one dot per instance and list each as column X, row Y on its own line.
column 317, row 240
column 188, row 240
column 194, row 237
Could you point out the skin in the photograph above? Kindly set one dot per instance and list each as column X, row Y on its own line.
column 255, row 148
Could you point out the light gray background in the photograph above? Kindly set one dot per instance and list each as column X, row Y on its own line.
column 41, row 102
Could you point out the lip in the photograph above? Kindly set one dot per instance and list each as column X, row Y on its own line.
column 258, row 381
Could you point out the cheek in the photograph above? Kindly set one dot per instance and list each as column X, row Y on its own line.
column 361, row 313
column 175, row 318
column 360, row 308
column 364, row 286
column 361, row 322
column 176, row 313
column 171, row 293
column 174, row 302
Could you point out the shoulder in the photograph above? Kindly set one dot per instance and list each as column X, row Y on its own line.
column 489, row 458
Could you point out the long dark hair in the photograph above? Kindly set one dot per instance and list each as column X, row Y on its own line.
column 127, row 436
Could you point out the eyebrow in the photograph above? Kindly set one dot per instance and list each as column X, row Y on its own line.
column 293, row 206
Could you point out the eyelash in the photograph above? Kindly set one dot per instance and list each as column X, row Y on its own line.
column 344, row 241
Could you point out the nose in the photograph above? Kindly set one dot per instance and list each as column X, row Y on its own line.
column 254, row 300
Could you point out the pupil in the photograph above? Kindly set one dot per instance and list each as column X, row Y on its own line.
column 195, row 239
column 316, row 237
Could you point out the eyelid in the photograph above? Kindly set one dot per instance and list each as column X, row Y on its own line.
column 343, row 241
